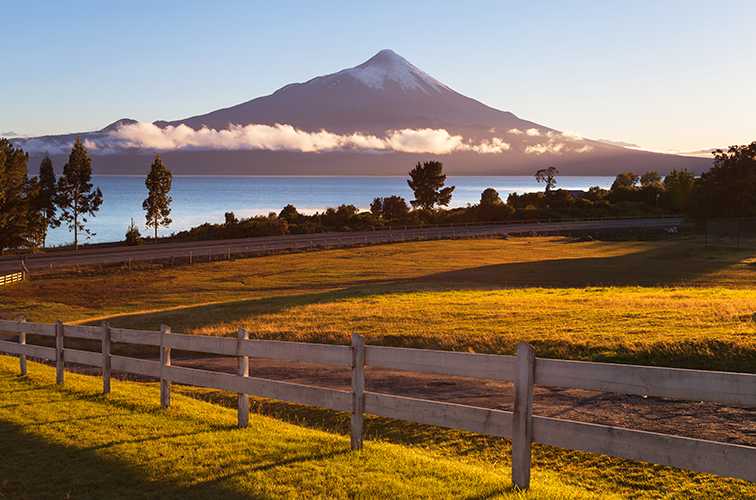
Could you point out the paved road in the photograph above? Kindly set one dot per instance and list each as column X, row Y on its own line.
column 202, row 251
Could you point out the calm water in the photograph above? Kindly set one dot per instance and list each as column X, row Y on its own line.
column 198, row 199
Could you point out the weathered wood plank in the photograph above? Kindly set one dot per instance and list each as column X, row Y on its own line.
column 47, row 330
column 299, row 351
column 165, row 363
column 136, row 366
column 34, row 351
column 522, row 418
column 89, row 358
column 83, row 332
column 274, row 389
column 737, row 389
column 242, row 406
column 59, row 355
column 203, row 343
column 139, row 337
column 106, row 361
column 461, row 364
column 699, row 455
column 358, row 390
column 456, row 416
column 22, row 357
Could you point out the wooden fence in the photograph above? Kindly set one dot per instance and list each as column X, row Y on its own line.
column 524, row 370
column 9, row 279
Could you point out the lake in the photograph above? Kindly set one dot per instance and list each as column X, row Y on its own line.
column 198, row 199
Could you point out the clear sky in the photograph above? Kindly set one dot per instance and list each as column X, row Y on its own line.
column 667, row 75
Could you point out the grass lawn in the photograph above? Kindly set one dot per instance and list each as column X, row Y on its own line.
column 672, row 303
column 72, row 442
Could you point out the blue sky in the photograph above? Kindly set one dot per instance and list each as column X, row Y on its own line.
column 667, row 75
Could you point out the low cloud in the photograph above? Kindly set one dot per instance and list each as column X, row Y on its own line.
column 493, row 146
column 533, row 132
column 558, row 143
column 425, row 140
column 268, row 137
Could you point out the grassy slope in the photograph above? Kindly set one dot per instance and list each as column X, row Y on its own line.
column 668, row 303
column 73, row 442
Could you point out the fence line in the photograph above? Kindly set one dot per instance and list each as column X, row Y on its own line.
column 9, row 279
column 524, row 370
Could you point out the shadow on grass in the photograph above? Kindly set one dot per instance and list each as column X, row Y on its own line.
column 254, row 466
column 35, row 468
column 376, row 428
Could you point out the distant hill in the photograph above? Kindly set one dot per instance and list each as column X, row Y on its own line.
column 378, row 118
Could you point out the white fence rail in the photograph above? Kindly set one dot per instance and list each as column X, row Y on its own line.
column 520, row 425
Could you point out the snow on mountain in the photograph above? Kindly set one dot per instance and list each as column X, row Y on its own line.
column 388, row 66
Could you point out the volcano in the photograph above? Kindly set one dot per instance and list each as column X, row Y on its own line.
column 377, row 118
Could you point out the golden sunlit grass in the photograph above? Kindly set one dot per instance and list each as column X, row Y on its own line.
column 693, row 327
column 672, row 303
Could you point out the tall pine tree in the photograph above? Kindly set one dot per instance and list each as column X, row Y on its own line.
column 47, row 197
column 77, row 198
column 14, row 200
column 157, row 205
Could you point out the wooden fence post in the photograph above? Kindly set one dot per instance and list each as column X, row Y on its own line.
column 59, row 363
column 106, row 361
column 165, row 362
column 22, row 357
column 358, row 389
column 243, row 401
column 522, row 417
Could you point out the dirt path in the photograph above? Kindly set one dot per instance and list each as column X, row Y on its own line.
column 701, row 420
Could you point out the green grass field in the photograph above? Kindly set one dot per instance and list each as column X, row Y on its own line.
column 668, row 303
column 72, row 442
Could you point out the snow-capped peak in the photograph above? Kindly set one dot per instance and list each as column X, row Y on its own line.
column 387, row 65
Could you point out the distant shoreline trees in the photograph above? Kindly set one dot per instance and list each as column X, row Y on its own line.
column 547, row 176
column 30, row 206
column 729, row 188
column 427, row 183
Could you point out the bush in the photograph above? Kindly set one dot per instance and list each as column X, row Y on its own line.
column 133, row 238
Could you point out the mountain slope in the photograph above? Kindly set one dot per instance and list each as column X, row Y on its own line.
column 377, row 118
column 385, row 92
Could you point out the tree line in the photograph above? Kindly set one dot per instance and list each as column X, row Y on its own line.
column 30, row 206
column 728, row 189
